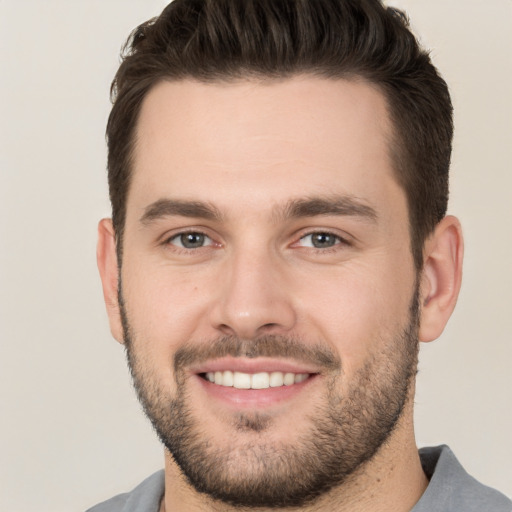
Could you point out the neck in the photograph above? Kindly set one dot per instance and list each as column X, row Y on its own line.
column 392, row 481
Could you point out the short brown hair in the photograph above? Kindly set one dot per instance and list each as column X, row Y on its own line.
column 219, row 40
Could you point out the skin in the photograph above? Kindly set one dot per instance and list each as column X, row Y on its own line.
column 248, row 149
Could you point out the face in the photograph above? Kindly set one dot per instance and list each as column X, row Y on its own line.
column 268, row 289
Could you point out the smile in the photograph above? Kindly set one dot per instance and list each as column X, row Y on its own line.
column 247, row 383
column 261, row 380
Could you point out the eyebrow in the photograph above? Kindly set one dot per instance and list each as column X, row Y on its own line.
column 328, row 205
column 172, row 207
column 294, row 209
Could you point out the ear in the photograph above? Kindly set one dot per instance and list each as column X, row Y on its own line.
column 109, row 271
column 441, row 277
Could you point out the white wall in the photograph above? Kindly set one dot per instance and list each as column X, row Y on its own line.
column 71, row 431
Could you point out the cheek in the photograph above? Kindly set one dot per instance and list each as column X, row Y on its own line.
column 164, row 303
column 164, row 311
column 359, row 307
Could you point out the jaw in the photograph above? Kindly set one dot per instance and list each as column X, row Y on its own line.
column 393, row 473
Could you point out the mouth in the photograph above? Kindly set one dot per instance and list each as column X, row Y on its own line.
column 246, row 383
column 261, row 380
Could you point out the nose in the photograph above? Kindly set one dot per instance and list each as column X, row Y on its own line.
column 254, row 297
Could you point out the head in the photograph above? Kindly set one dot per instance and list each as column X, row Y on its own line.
column 278, row 176
column 225, row 40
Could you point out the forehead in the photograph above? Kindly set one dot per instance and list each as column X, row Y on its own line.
column 261, row 141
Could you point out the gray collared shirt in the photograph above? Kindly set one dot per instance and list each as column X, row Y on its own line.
column 450, row 489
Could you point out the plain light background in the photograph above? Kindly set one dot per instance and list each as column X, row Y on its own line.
column 71, row 430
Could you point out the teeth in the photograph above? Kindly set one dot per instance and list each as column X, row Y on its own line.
column 227, row 378
column 289, row 379
column 300, row 377
column 261, row 380
column 276, row 379
column 241, row 380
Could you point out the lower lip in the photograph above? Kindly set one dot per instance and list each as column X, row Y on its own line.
column 253, row 398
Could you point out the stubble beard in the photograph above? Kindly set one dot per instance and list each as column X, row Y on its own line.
column 344, row 431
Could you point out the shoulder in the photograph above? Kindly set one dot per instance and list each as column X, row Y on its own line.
column 144, row 498
column 452, row 489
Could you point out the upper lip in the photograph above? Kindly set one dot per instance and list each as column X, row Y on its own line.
column 256, row 365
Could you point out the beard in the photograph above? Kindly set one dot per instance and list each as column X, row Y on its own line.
column 252, row 468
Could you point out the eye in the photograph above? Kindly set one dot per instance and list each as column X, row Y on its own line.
column 320, row 240
column 191, row 240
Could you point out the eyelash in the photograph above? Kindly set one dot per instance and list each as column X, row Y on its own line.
column 168, row 240
column 338, row 240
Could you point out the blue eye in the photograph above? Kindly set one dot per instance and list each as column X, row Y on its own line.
column 320, row 240
column 191, row 240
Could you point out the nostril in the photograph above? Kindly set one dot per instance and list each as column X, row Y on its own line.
column 227, row 330
column 269, row 326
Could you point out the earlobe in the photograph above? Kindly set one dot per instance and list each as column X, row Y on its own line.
column 441, row 277
column 109, row 271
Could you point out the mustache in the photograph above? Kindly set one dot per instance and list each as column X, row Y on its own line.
column 192, row 354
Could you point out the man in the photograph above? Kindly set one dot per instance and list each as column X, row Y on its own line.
column 278, row 175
